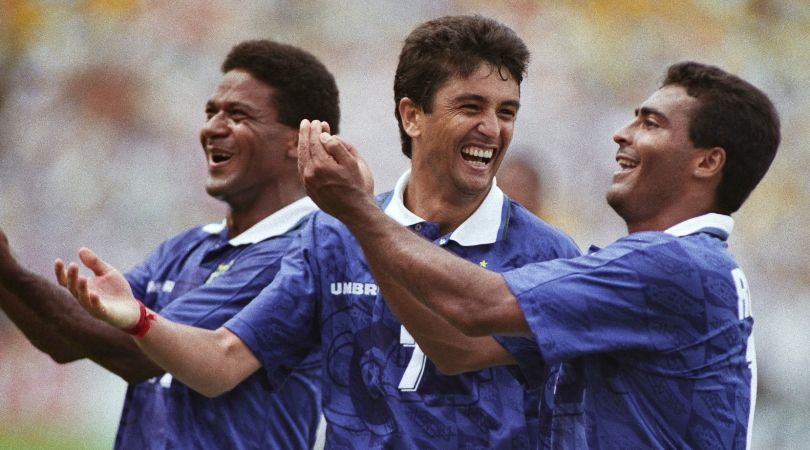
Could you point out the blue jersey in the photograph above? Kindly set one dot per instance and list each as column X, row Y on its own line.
column 655, row 333
column 379, row 389
column 201, row 278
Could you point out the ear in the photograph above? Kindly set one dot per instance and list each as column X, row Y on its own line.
column 410, row 114
column 711, row 162
column 291, row 139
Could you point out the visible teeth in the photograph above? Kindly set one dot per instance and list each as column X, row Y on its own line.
column 477, row 152
column 219, row 157
column 626, row 163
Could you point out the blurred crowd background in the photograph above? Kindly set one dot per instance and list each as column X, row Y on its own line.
column 101, row 103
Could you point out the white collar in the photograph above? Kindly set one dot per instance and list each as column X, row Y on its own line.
column 482, row 227
column 720, row 222
column 273, row 225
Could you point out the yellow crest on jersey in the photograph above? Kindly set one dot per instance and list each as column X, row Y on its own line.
column 222, row 268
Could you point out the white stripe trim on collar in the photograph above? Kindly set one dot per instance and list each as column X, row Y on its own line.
column 273, row 225
column 480, row 228
column 711, row 220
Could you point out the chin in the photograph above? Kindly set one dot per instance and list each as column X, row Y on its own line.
column 475, row 185
column 215, row 190
column 614, row 200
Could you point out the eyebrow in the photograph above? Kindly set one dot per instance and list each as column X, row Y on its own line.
column 480, row 98
column 647, row 111
column 231, row 104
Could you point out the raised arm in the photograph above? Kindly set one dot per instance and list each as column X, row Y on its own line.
column 209, row 361
column 473, row 299
column 56, row 325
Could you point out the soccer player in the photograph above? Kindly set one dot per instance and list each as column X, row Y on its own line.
column 655, row 330
column 457, row 93
column 207, row 274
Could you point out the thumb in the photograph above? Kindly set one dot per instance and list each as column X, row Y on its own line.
column 340, row 150
column 93, row 262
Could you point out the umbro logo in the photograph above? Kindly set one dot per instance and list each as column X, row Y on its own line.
column 353, row 288
column 154, row 286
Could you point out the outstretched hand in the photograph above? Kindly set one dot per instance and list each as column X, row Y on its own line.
column 334, row 174
column 106, row 295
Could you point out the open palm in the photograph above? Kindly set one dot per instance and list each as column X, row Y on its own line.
column 106, row 295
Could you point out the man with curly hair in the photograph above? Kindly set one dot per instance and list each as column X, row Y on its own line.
column 206, row 275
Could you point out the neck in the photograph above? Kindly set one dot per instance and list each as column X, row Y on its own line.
column 665, row 220
column 243, row 215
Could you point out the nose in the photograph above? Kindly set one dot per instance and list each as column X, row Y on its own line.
column 215, row 126
column 489, row 125
column 622, row 136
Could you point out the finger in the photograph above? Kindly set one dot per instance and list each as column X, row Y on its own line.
column 345, row 143
column 337, row 149
column 87, row 299
column 303, row 145
column 316, row 149
column 72, row 278
column 81, row 290
column 93, row 262
column 59, row 271
column 349, row 155
column 94, row 302
column 325, row 127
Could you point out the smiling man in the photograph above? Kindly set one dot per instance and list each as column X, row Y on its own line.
column 655, row 330
column 457, row 94
column 207, row 274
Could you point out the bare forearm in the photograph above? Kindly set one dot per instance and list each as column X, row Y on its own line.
column 210, row 362
column 450, row 350
column 39, row 333
column 56, row 325
column 471, row 298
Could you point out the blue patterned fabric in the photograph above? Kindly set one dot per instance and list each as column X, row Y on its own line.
column 379, row 390
column 655, row 334
column 201, row 278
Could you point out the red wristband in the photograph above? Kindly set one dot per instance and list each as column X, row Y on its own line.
column 144, row 322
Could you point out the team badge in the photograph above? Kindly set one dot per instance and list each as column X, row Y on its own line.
column 222, row 268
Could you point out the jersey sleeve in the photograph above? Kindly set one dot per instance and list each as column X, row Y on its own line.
column 220, row 298
column 531, row 368
column 606, row 303
column 280, row 326
column 139, row 276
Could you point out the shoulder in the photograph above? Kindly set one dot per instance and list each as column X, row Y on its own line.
column 658, row 254
column 320, row 221
column 324, row 231
column 522, row 225
column 188, row 238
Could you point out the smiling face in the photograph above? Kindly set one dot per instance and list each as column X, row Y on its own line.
column 458, row 147
column 247, row 150
column 656, row 158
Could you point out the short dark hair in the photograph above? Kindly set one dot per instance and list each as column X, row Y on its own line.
column 304, row 88
column 735, row 115
column 453, row 45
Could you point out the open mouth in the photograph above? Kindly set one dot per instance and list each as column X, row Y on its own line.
column 626, row 163
column 478, row 157
column 219, row 157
